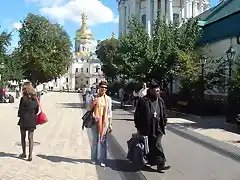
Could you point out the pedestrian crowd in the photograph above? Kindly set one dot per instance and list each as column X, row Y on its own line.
column 145, row 148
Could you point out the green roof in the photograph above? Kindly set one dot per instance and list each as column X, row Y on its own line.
column 222, row 10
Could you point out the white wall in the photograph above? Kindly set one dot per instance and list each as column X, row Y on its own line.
column 218, row 50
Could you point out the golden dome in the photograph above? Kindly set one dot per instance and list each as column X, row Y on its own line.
column 84, row 32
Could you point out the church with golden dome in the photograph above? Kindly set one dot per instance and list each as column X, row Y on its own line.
column 85, row 67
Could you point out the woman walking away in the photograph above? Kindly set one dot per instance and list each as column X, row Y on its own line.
column 28, row 109
column 102, row 105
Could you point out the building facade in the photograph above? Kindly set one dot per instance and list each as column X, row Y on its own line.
column 85, row 67
column 146, row 11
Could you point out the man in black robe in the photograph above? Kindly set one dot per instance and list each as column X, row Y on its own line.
column 150, row 120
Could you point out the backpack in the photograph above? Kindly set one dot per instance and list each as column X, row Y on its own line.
column 88, row 119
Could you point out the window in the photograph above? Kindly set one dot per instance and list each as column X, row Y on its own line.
column 82, row 70
column 176, row 19
column 67, row 80
column 86, row 82
column 97, row 69
column 96, row 80
column 144, row 20
column 87, row 70
column 76, row 70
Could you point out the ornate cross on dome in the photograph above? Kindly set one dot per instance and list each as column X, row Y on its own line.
column 84, row 18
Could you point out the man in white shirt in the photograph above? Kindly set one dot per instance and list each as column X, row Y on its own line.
column 143, row 91
column 39, row 90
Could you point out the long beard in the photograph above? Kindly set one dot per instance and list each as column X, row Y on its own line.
column 153, row 96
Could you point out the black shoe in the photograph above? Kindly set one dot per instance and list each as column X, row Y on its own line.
column 29, row 159
column 162, row 168
column 22, row 156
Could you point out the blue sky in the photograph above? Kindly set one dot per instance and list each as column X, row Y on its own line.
column 102, row 15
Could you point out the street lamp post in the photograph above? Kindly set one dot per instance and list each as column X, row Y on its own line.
column 203, row 61
column 1, row 68
column 230, row 57
column 1, row 88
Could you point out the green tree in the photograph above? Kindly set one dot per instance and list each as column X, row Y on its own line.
column 133, row 51
column 45, row 49
column 107, row 53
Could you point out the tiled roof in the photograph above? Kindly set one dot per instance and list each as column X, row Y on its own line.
column 222, row 10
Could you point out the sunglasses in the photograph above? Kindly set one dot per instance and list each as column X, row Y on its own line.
column 103, row 87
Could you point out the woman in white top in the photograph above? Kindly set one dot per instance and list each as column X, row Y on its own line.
column 103, row 117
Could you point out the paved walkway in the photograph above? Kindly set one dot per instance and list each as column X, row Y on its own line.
column 188, row 160
column 63, row 152
column 214, row 127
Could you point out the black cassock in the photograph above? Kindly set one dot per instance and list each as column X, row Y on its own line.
column 150, row 120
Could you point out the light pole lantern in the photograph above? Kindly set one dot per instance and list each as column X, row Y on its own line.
column 230, row 57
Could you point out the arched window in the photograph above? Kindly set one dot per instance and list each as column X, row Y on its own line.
column 144, row 20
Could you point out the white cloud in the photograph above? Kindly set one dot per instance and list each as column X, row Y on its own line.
column 16, row 25
column 72, row 10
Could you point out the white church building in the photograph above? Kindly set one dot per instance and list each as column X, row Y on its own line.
column 85, row 67
column 146, row 11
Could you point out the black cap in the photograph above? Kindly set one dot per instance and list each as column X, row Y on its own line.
column 153, row 84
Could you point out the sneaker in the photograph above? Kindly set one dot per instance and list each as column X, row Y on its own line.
column 93, row 162
column 102, row 165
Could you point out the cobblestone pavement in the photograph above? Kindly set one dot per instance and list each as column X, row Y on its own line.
column 63, row 152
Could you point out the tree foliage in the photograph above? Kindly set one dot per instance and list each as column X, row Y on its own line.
column 107, row 53
column 133, row 51
column 171, row 51
column 45, row 49
column 12, row 67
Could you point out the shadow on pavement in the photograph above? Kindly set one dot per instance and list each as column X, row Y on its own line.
column 57, row 159
column 11, row 155
column 125, row 165
column 72, row 105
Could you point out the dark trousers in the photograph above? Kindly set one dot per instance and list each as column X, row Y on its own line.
column 156, row 154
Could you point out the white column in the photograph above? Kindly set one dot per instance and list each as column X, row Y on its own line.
column 155, row 9
column 163, row 8
column 170, row 11
column 133, row 8
column 195, row 9
column 120, row 21
column 127, row 16
column 190, row 9
column 148, row 16
column 201, row 6
column 186, row 9
column 123, row 18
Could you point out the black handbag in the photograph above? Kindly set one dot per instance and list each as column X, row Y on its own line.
column 88, row 119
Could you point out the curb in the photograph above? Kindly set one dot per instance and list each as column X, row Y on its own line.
column 220, row 147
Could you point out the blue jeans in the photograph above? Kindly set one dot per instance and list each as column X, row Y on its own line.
column 98, row 149
column 39, row 95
